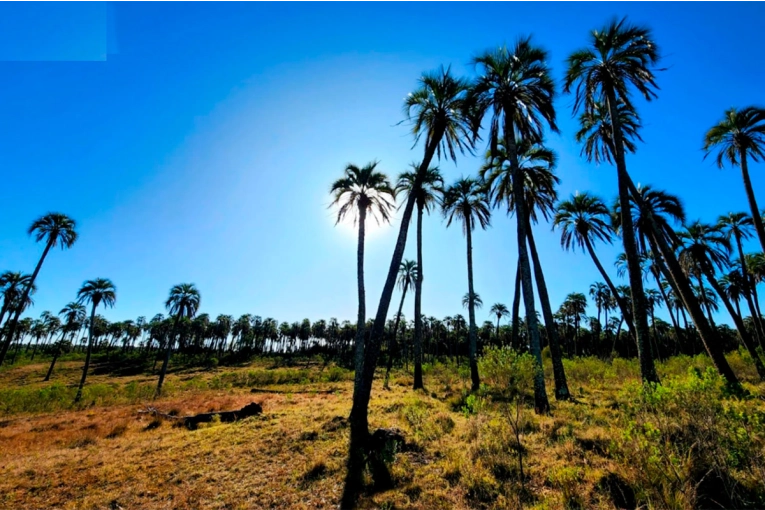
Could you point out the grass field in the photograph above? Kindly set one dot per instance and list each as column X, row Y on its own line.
column 686, row 445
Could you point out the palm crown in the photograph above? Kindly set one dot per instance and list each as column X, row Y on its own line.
column 583, row 218
column 438, row 110
column 100, row 290
column 537, row 163
column 515, row 83
column 703, row 248
column 363, row 188
column 55, row 228
column 620, row 57
column 596, row 132
column 407, row 274
column 12, row 286
column 664, row 209
column 740, row 131
column 425, row 194
column 468, row 201
column 183, row 300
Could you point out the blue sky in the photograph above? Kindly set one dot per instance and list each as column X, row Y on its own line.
column 201, row 146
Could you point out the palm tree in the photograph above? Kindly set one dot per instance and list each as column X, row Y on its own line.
column 407, row 277
column 362, row 191
column 619, row 60
column 585, row 218
column 467, row 201
column 737, row 227
column 738, row 136
column 536, row 163
column 12, row 286
column 515, row 84
column 437, row 109
column 100, row 290
column 652, row 212
column 576, row 306
column 704, row 248
column 601, row 295
column 57, row 230
column 500, row 311
column 425, row 196
column 183, row 302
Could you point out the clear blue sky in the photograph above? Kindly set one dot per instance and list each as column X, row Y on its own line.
column 200, row 147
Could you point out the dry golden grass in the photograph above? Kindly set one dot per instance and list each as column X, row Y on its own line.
column 293, row 455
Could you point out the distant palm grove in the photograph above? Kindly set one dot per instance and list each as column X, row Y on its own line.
column 691, row 269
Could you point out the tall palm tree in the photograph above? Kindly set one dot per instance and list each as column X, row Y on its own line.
column 583, row 219
column 12, row 286
column 536, row 163
column 576, row 305
column 426, row 194
column 619, row 60
column 704, row 248
column 601, row 296
column 362, row 191
column 407, row 277
column 737, row 227
column 95, row 292
column 652, row 212
column 500, row 311
column 467, row 201
column 740, row 135
column 183, row 302
column 55, row 229
column 515, row 85
column 437, row 110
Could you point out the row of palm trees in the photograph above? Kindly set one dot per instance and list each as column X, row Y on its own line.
column 510, row 102
column 56, row 229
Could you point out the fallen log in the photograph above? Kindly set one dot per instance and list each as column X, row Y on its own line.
column 193, row 421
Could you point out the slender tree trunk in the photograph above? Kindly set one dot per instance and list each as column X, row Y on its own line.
column 561, row 386
column 639, row 308
column 541, row 403
column 2, row 314
column 392, row 342
column 362, row 315
column 13, row 322
column 418, row 305
column 674, row 273
column 497, row 334
column 50, row 369
column 472, row 333
column 516, row 319
column 743, row 334
column 750, row 290
column 166, row 361
column 362, row 392
column 623, row 307
column 664, row 296
column 752, row 201
column 87, row 356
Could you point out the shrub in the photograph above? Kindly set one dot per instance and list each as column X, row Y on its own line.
column 506, row 371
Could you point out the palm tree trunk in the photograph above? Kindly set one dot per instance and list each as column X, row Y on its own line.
column 362, row 315
column 664, row 296
column 541, row 403
column 418, row 305
column 752, row 201
column 516, row 320
column 625, row 310
column 50, row 369
column 561, row 386
column 749, row 290
column 472, row 333
column 15, row 320
column 166, row 361
column 3, row 312
column 639, row 308
column 392, row 339
column 743, row 334
column 362, row 392
column 87, row 356
column 674, row 273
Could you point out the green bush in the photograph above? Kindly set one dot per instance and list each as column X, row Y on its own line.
column 506, row 371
